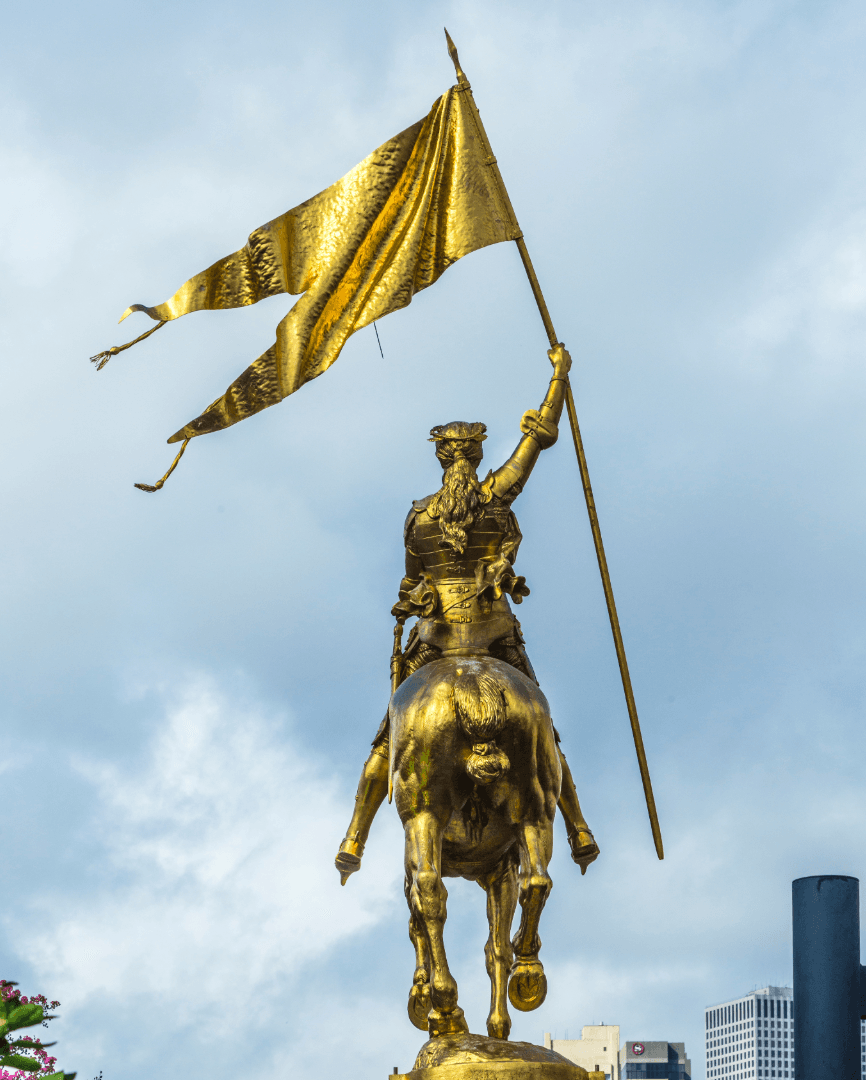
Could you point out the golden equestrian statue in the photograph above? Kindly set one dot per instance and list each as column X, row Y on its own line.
column 468, row 741
column 467, row 748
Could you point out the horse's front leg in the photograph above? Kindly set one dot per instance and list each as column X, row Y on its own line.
column 527, row 987
column 419, row 995
column 427, row 897
column 501, row 888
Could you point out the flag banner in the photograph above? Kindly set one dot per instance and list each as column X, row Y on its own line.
column 357, row 251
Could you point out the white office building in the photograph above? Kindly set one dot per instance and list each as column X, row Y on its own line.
column 752, row 1037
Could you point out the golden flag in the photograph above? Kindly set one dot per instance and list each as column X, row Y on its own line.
column 357, row 251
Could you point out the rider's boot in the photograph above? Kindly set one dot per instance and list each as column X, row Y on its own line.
column 584, row 849
column 372, row 789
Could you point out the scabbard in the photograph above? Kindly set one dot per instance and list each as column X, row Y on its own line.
column 397, row 658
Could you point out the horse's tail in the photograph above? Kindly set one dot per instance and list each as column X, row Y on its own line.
column 479, row 705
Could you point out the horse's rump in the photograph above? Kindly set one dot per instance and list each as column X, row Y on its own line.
column 473, row 729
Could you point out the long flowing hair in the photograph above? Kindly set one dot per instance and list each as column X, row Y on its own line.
column 457, row 504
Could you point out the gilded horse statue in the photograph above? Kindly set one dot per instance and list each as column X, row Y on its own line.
column 476, row 779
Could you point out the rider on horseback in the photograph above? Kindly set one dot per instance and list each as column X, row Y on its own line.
column 461, row 544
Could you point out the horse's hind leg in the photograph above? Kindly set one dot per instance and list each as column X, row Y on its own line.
column 419, row 995
column 501, row 888
column 427, row 897
column 527, row 987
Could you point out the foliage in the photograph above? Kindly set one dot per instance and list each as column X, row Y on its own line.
column 25, row 1058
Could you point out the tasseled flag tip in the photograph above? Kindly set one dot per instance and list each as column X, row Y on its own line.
column 158, row 485
column 102, row 358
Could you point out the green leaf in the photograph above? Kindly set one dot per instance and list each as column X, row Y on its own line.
column 25, row 1016
column 32, row 1043
column 18, row 1061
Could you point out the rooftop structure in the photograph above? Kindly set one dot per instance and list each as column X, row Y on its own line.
column 599, row 1050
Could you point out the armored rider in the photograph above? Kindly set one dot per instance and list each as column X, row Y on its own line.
column 461, row 544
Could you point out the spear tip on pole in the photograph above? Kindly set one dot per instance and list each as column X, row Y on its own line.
column 462, row 81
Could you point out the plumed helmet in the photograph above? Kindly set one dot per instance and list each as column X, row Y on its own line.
column 458, row 430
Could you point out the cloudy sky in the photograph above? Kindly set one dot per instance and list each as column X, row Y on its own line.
column 191, row 679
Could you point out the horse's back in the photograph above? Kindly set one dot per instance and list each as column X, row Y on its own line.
column 431, row 687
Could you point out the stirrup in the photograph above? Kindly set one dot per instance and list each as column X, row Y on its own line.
column 584, row 849
column 348, row 859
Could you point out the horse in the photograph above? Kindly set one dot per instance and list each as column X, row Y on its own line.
column 475, row 777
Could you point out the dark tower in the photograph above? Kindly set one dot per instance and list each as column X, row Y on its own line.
column 826, row 917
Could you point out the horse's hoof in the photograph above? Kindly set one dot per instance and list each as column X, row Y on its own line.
column 420, row 1005
column 452, row 1022
column 499, row 1028
column 527, row 987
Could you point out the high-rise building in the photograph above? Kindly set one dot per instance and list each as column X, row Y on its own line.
column 752, row 1036
column 597, row 1050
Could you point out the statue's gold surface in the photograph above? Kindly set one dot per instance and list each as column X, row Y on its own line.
column 357, row 251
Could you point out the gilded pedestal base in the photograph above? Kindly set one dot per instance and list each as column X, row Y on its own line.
column 477, row 1057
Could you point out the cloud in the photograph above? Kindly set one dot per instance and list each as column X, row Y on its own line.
column 810, row 301
column 40, row 225
column 215, row 872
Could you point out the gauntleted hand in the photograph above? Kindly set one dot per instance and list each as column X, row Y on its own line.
column 545, row 431
column 561, row 359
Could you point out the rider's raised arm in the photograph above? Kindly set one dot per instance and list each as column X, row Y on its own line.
column 539, row 427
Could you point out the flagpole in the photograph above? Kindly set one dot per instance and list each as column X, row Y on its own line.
column 463, row 86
